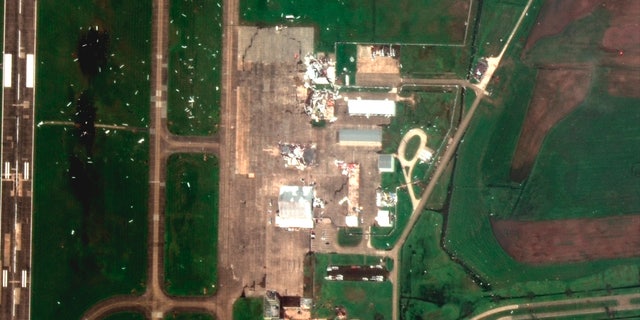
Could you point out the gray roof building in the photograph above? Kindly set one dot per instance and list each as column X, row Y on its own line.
column 386, row 163
column 360, row 137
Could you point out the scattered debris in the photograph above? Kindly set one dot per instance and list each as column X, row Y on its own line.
column 320, row 70
column 299, row 156
column 390, row 50
column 386, row 199
column 320, row 104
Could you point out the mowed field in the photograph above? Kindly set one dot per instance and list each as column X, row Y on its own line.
column 403, row 21
column 195, row 43
column 90, row 199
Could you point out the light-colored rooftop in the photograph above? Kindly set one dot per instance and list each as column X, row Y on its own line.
column 295, row 207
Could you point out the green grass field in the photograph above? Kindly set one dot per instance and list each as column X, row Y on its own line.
column 191, row 224
column 362, row 299
column 90, row 209
column 195, row 43
column 422, row 21
column 248, row 309
column 188, row 316
column 122, row 88
column 482, row 187
column 433, row 286
column 87, row 249
column 437, row 113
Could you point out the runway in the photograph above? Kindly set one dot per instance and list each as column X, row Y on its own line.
column 17, row 157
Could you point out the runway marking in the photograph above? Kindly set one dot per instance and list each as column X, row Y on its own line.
column 24, row 278
column 5, row 278
column 25, row 173
column 7, row 170
column 30, row 70
column 6, row 67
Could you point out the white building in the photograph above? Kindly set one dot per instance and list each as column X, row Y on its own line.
column 383, row 219
column 367, row 108
column 295, row 207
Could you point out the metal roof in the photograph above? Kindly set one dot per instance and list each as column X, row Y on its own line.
column 372, row 108
column 386, row 163
column 295, row 207
column 360, row 136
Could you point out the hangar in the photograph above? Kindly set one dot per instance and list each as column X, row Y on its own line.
column 367, row 108
column 295, row 209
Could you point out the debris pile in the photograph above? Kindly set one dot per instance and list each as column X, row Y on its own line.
column 352, row 171
column 384, row 51
column 385, row 199
column 320, row 105
column 299, row 156
column 320, row 70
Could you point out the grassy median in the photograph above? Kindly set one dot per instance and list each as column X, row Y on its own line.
column 191, row 221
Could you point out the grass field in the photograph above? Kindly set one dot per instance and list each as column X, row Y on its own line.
column 122, row 88
column 248, row 309
column 434, row 61
column 437, row 113
column 349, row 237
column 90, row 209
column 191, row 224
column 482, row 188
column 587, row 170
column 89, row 223
column 188, row 316
column 125, row 316
column 361, row 299
column 423, row 21
column 432, row 286
column 195, row 42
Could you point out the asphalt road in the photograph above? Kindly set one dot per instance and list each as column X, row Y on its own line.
column 17, row 157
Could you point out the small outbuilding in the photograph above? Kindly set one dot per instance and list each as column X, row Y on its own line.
column 386, row 163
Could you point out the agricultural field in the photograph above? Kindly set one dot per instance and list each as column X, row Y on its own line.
column 361, row 299
column 427, row 21
column 90, row 183
column 195, row 44
column 574, row 173
column 191, row 224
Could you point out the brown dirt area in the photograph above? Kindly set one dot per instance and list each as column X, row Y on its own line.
column 381, row 71
column 575, row 240
column 378, row 65
column 623, row 33
column 556, row 15
column 557, row 93
column 623, row 83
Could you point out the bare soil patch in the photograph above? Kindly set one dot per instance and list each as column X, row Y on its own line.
column 623, row 83
column 623, row 35
column 557, row 93
column 367, row 64
column 556, row 15
column 574, row 240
